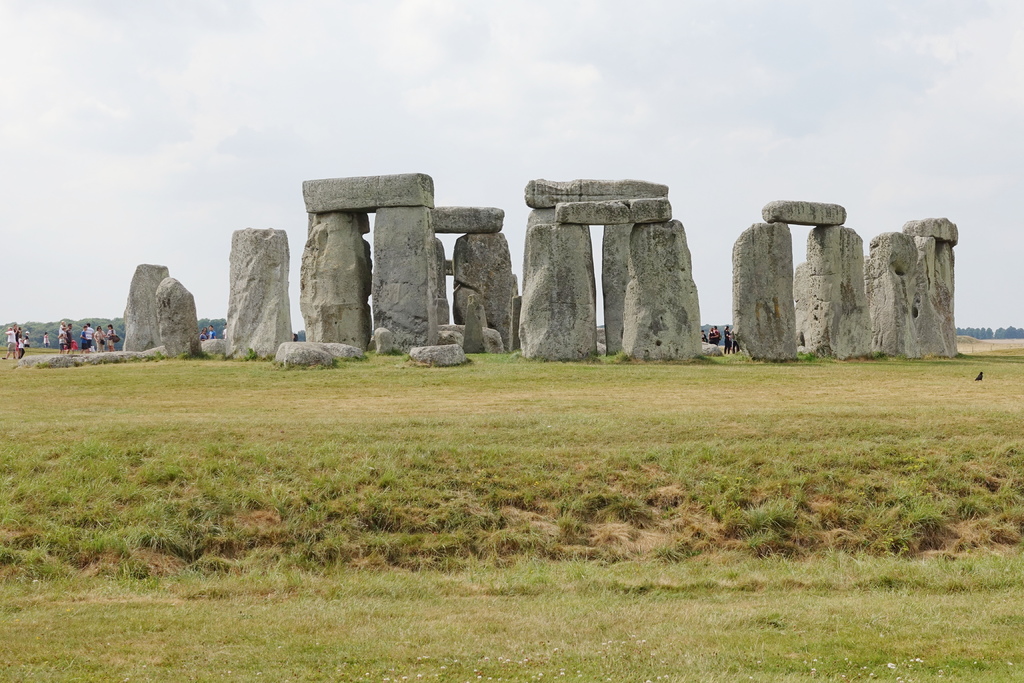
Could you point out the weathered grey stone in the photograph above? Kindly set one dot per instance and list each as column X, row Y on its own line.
column 468, row 220
column 259, row 310
column 440, row 356
column 935, row 325
column 803, row 213
column 517, row 311
column 384, row 340
column 801, row 303
column 890, row 281
column 214, row 347
column 335, row 279
column 541, row 217
column 614, row 279
column 764, row 319
column 836, row 320
column 141, row 330
column 559, row 310
column 304, row 354
column 544, row 194
column 179, row 327
column 404, row 276
column 369, row 193
column 710, row 349
column 473, row 334
column 942, row 229
column 661, row 319
column 108, row 357
column 483, row 265
column 441, row 309
column 342, row 350
column 445, row 336
column 492, row 340
column 614, row 212
column 156, row 351
column 602, row 349
column 51, row 360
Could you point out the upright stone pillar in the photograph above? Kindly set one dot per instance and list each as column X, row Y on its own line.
column 405, row 275
column 483, row 265
column 179, row 328
column 443, row 311
column 935, row 323
column 259, row 311
column 662, row 314
column 559, row 308
column 763, row 315
column 614, row 279
column 335, row 279
column 836, row 320
column 141, row 316
column 890, row 279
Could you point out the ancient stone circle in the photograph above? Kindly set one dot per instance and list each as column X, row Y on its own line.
column 392, row 296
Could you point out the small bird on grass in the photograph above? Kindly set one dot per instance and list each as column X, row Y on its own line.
column 981, row 376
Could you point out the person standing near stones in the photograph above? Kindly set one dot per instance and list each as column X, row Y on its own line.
column 727, row 340
column 12, row 343
column 111, row 337
column 98, row 338
column 46, row 340
column 714, row 336
column 87, row 334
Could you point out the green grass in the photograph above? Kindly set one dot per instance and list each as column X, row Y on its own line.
column 743, row 517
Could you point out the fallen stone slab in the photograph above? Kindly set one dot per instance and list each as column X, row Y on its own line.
column 803, row 213
column 449, row 336
column 69, row 361
column 545, row 194
column 155, row 351
column 614, row 212
column 342, row 350
column 304, row 354
column 214, row 346
column 492, row 338
column 941, row 229
column 368, row 193
column 440, row 356
column 468, row 220
column 710, row 349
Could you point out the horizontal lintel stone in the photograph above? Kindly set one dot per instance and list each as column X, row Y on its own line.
column 803, row 213
column 614, row 212
column 545, row 194
column 941, row 229
column 468, row 220
column 368, row 193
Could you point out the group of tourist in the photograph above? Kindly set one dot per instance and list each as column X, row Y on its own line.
column 725, row 337
column 207, row 333
column 90, row 339
column 17, row 340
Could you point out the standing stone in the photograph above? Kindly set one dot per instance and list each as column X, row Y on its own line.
column 442, row 311
column 179, row 327
column 662, row 314
column 890, row 280
column 141, row 329
column 763, row 315
column 335, row 279
column 559, row 314
column 483, row 265
column 259, row 311
column 935, row 324
column 473, row 333
column 614, row 279
column 517, row 309
column 836, row 320
column 383, row 340
column 801, row 296
column 405, row 276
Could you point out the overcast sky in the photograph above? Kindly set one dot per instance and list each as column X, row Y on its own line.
column 147, row 132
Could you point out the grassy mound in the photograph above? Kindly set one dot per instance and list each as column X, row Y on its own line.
column 230, row 467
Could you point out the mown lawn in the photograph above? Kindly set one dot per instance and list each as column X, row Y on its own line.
column 178, row 519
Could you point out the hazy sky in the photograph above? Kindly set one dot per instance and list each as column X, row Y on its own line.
column 146, row 132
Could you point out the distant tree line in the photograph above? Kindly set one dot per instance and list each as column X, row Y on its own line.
column 1010, row 332
column 35, row 330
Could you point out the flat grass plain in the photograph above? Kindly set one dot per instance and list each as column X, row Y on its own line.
column 513, row 520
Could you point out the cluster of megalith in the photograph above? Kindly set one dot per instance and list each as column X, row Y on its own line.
column 390, row 294
column 650, row 300
column 898, row 301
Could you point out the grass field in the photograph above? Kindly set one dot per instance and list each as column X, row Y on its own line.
column 715, row 520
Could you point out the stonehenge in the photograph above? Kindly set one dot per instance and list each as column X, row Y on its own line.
column 141, row 315
column 381, row 282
